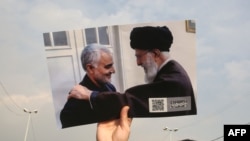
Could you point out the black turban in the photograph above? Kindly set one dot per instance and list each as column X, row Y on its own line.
column 149, row 37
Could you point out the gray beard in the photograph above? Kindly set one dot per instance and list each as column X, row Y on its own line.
column 151, row 74
column 151, row 69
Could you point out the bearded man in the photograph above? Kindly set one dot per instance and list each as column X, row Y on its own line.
column 97, row 62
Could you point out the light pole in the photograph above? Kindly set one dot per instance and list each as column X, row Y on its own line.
column 28, row 123
column 171, row 130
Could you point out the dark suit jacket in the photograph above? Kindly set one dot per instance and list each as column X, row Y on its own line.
column 78, row 112
column 172, row 84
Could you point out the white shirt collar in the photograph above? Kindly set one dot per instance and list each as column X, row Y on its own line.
column 165, row 62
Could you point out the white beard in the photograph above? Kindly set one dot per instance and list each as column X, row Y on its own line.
column 150, row 68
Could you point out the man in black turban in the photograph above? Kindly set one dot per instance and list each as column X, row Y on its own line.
column 168, row 91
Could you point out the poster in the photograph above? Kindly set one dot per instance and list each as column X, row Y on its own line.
column 63, row 50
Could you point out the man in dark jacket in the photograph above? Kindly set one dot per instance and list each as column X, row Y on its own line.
column 168, row 91
column 98, row 63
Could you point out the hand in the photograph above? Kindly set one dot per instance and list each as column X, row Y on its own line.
column 115, row 130
column 80, row 92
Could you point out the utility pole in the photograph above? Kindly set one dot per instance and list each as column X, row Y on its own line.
column 170, row 130
column 28, row 123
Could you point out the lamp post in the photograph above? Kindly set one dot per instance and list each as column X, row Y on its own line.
column 28, row 123
column 171, row 130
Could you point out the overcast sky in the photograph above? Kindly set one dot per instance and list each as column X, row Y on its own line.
column 223, row 64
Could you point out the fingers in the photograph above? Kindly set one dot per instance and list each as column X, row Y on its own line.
column 72, row 94
column 80, row 92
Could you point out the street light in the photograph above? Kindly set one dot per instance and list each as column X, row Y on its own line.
column 171, row 130
column 28, row 123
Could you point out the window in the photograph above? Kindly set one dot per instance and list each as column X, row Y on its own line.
column 55, row 39
column 46, row 38
column 60, row 38
column 97, row 35
column 91, row 35
column 103, row 35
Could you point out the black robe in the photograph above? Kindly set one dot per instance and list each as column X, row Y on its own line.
column 170, row 94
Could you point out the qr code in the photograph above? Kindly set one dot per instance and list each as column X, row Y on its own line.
column 157, row 105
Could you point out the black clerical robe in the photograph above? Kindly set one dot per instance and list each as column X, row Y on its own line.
column 170, row 94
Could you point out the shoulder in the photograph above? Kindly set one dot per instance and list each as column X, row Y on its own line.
column 172, row 65
column 111, row 86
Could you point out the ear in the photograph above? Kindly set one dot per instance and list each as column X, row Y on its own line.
column 156, row 52
column 89, row 68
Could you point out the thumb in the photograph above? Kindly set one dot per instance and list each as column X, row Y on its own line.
column 125, row 121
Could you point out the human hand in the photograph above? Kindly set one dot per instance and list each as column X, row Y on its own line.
column 115, row 130
column 80, row 92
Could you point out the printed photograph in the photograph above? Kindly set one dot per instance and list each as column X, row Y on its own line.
column 95, row 71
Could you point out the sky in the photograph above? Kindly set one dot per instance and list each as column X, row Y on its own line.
column 223, row 64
